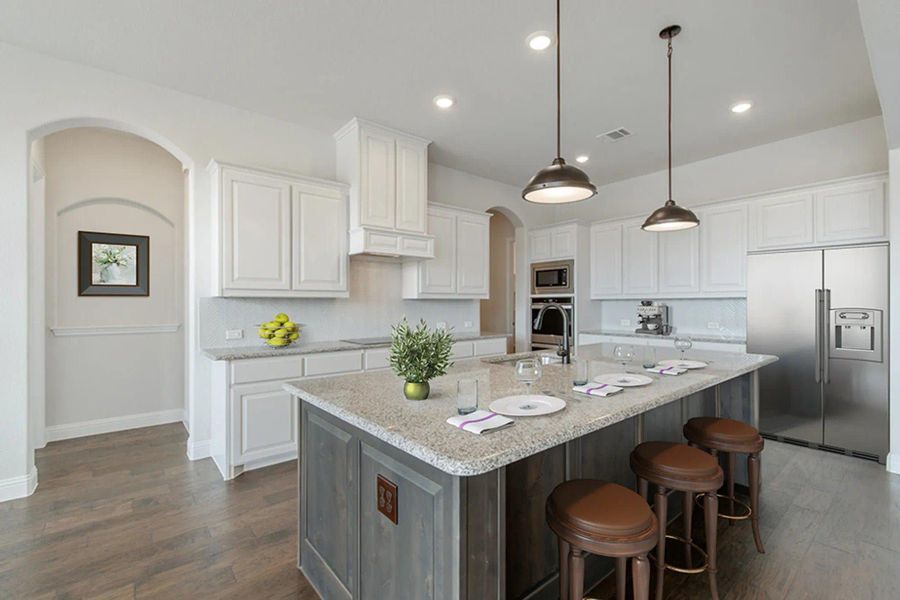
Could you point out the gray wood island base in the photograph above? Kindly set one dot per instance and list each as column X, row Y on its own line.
column 395, row 503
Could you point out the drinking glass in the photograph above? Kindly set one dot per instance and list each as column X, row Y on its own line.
column 624, row 354
column 649, row 356
column 466, row 396
column 683, row 344
column 581, row 372
column 528, row 371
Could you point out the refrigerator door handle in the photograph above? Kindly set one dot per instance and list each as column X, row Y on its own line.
column 819, row 301
column 826, row 339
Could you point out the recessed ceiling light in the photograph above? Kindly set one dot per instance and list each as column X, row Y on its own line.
column 741, row 107
column 540, row 40
column 583, row 158
column 444, row 102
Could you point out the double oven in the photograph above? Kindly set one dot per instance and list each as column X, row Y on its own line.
column 552, row 283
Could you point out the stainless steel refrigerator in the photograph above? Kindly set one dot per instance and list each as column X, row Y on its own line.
column 825, row 314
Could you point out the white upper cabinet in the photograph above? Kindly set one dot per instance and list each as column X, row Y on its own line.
column 319, row 239
column 639, row 259
column 723, row 248
column 280, row 235
column 387, row 171
column 461, row 264
column 256, row 229
column 782, row 221
column 679, row 261
column 606, row 260
column 552, row 243
column 851, row 212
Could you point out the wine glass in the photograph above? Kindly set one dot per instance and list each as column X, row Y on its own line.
column 683, row 344
column 528, row 371
column 624, row 354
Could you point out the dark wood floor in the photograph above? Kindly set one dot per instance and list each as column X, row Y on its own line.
column 126, row 515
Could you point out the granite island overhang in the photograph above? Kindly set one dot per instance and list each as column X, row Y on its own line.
column 467, row 511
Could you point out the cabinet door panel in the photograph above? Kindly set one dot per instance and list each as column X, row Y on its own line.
column 377, row 187
column 473, row 252
column 438, row 275
column 539, row 245
column 319, row 242
column 264, row 420
column 255, row 232
column 723, row 249
column 562, row 242
column 679, row 261
column 782, row 221
column 412, row 186
column 606, row 261
column 850, row 212
column 639, row 260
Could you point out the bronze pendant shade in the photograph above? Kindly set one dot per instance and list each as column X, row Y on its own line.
column 558, row 183
column 670, row 217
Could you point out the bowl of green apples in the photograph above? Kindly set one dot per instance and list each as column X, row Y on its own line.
column 280, row 332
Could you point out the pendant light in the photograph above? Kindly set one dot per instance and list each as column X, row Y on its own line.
column 670, row 217
column 558, row 183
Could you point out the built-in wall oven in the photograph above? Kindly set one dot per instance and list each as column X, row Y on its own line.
column 550, row 335
column 557, row 277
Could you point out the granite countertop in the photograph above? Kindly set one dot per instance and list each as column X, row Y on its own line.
column 374, row 402
column 261, row 350
column 707, row 337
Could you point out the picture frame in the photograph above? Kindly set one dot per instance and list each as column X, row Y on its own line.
column 113, row 264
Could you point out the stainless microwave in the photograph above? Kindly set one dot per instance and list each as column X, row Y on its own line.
column 557, row 277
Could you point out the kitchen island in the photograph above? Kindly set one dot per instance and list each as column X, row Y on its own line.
column 465, row 513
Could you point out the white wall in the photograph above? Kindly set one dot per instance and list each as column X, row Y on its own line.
column 850, row 149
column 41, row 95
column 114, row 182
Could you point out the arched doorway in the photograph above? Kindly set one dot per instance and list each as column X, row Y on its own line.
column 47, row 258
column 501, row 312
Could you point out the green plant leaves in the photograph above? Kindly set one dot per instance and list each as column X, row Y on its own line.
column 418, row 354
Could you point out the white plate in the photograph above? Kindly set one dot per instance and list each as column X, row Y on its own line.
column 682, row 364
column 623, row 379
column 527, row 406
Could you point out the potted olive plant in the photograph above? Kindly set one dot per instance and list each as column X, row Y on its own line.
column 418, row 356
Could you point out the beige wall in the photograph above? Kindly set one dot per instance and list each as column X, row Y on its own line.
column 108, row 181
column 497, row 312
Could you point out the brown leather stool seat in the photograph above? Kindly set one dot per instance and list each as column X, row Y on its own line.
column 730, row 436
column 672, row 466
column 606, row 519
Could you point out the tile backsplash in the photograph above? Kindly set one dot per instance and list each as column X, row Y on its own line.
column 688, row 316
column 374, row 305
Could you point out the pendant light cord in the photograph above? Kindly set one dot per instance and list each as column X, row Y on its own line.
column 669, row 57
column 558, row 87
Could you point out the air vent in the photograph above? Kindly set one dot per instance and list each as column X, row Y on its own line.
column 615, row 135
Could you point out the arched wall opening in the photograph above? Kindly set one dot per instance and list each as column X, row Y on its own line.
column 507, row 311
column 162, row 335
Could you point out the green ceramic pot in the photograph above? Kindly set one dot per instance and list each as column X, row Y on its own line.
column 416, row 391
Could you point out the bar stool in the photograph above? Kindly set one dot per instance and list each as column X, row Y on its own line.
column 606, row 519
column 732, row 437
column 692, row 471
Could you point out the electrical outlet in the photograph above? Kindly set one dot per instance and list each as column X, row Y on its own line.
column 441, row 325
column 625, row 323
column 712, row 325
column 467, row 324
column 234, row 334
column 386, row 498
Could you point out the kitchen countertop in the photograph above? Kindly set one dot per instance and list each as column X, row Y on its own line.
column 719, row 339
column 261, row 350
column 374, row 402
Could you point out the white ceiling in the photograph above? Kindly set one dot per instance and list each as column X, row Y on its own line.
column 803, row 63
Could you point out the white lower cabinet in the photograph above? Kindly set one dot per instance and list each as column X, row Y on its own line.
column 254, row 421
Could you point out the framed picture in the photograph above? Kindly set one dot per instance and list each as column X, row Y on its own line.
column 113, row 264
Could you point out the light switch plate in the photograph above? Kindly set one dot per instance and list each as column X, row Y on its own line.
column 625, row 323
column 234, row 334
column 712, row 325
column 441, row 325
column 467, row 324
column 386, row 498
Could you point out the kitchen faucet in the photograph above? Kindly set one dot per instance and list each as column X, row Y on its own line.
column 565, row 354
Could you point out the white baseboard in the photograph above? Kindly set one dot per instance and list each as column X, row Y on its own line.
column 893, row 462
column 97, row 426
column 197, row 450
column 18, row 487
